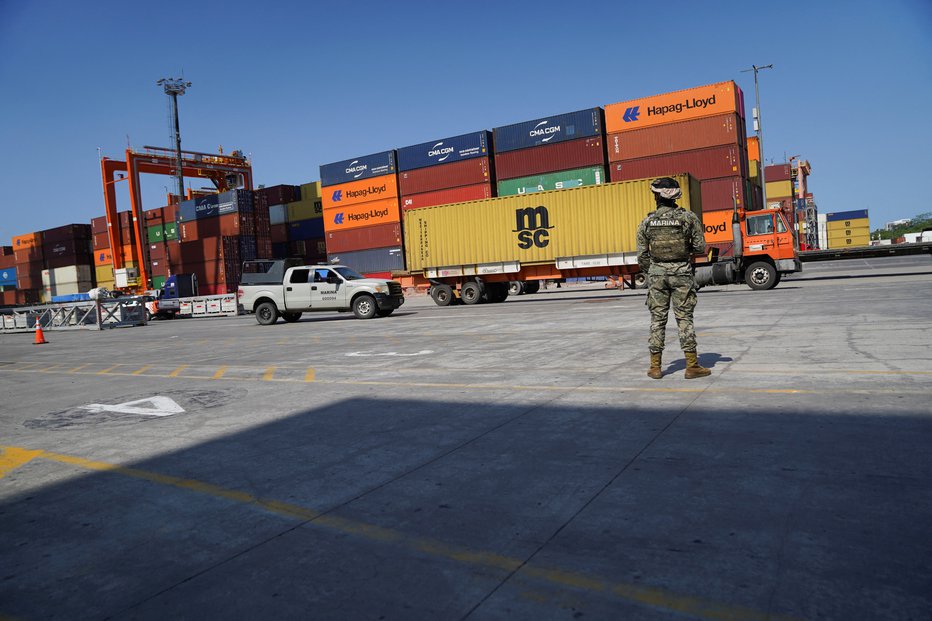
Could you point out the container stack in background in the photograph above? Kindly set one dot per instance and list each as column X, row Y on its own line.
column 68, row 261
column 557, row 152
column 162, row 240
column 28, row 261
column 778, row 179
column 451, row 170
column 362, row 216
column 10, row 293
column 756, row 196
column 217, row 232
column 104, row 274
column 305, row 217
column 700, row 131
column 847, row 229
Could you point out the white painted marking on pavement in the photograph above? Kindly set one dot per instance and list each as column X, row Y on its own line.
column 360, row 354
column 157, row 406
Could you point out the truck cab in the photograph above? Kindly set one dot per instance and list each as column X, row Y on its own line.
column 769, row 248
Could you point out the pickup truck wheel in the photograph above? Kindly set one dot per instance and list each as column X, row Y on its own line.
column 364, row 307
column 266, row 314
column 471, row 293
column 760, row 276
column 291, row 317
column 531, row 286
column 442, row 295
column 385, row 313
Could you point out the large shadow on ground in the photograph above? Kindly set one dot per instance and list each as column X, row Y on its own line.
column 415, row 509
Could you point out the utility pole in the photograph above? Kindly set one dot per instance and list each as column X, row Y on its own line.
column 759, row 130
column 174, row 87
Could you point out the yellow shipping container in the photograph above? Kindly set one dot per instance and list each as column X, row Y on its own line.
column 859, row 232
column 107, row 284
column 848, row 242
column 103, row 272
column 848, row 224
column 754, row 174
column 592, row 226
column 779, row 189
column 310, row 191
column 305, row 210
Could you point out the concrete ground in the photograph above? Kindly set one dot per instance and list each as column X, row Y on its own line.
column 507, row 461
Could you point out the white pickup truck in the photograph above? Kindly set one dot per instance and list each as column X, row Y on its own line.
column 310, row 288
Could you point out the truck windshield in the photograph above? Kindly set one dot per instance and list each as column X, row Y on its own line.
column 347, row 273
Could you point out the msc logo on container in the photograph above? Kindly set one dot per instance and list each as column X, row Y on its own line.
column 338, row 218
column 337, row 196
column 539, row 131
column 532, row 224
column 632, row 114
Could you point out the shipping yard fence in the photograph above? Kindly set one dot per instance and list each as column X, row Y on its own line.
column 92, row 315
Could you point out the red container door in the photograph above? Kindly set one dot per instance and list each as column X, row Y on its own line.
column 445, row 197
column 445, row 176
column 550, row 158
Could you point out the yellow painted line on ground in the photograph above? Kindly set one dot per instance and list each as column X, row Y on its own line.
column 269, row 374
column 12, row 457
column 108, row 369
column 79, row 367
column 142, row 370
column 220, row 372
column 310, row 375
column 178, row 370
column 52, row 369
column 647, row 596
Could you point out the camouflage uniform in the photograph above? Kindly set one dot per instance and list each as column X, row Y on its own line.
column 666, row 239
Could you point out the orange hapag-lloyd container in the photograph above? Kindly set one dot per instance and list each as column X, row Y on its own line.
column 29, row 240
column 753, row 149
column 718, row 226
column 692, row 103
column 344, row 217
column 364, row 191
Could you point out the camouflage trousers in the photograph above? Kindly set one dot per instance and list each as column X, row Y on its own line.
column 680, row 290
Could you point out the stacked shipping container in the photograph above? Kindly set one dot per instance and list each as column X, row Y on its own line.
column 558, row 152
column 778, row 181
column 67, row 252
column 846, row 229
column 162, row 243
column 362, row 216
column 103, row 253
column 450, row 170
column 700, row 131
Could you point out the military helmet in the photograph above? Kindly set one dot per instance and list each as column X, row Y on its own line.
column 666, row 187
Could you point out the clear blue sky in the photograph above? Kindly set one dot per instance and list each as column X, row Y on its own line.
column 299, row 84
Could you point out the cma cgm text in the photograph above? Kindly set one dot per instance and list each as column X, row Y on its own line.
column 689, row 104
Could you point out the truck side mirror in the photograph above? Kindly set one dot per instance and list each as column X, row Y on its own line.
column 333, row 279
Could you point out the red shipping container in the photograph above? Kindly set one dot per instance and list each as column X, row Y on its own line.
column 550, row 158
column 7, row 261
column 701, row 133
column 29, row 275
column 263, row 247
column 719, row 194
column 364, row 238
column 445, row 176
column 66, row 233
column 278, row 233
column 6, row 251
column 208, row 249
column 158, row 267
column 712, row 163
column 777, row 172
column 154, row 216
column 445, row 197
column 228, row 224
column 213, row 272
column 157, row 251
column 101, row 240
column 215, row 289
column 28, row 255
column 99, row 225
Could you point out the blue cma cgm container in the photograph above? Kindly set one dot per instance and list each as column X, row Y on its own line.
column 548, row 130
column 375, row 165
column 8, row 277
column 445, row 151
column 857, row 214
column 212, row 205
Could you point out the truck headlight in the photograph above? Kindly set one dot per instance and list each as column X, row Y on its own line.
column 381, row 289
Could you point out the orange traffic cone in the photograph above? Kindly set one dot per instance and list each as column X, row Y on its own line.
column 40, row 337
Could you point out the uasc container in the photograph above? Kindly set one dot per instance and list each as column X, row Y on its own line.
column 563, row 180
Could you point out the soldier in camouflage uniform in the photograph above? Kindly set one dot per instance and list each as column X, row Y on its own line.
column 667, row 239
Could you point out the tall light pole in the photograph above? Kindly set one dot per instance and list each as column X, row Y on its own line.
column 174, row 87
column 759, row 130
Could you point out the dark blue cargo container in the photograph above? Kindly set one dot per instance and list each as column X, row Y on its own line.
column 370, row 261
column 445, row 151
column 582, row 124
column 857, row 214
column 8, row 277
column 374, row 165
column 215, row 205
column 248, row 249
column 280, row 251
column 306, row 229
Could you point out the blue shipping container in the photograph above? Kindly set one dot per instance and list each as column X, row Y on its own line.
column 280, row 251
column 374, row 165
column 444, row 151
column 8, row 277
column 857, row 214
column 370, row 261
column 71, row 297
column 306, row 229
column 570, row 126
column 215, row 205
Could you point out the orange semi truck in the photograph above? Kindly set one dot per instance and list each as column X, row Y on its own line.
column 471, row 251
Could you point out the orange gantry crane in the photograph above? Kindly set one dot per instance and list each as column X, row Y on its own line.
column 225, row 171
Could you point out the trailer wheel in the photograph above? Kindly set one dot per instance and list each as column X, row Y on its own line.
column 364, row 307
column 442, row 295
column 291, row 317
column 761, row 276
column 266, row 314
column 471, row 293
column 531, row 286
column 640, row 280
column 496, row 292
column 515, row 287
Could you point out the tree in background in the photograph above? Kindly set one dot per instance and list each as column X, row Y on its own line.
column 917, row 224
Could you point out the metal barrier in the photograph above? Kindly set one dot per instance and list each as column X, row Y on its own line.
column 93, row 315
column 225, row 305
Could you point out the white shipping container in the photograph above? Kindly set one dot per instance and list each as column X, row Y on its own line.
column 278, row 214
column 66, row 275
